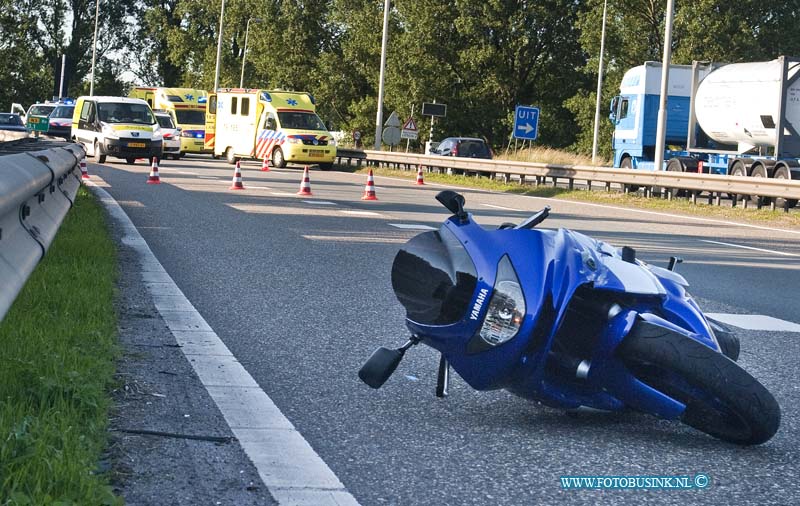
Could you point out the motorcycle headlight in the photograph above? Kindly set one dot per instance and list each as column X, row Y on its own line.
column 507, row 307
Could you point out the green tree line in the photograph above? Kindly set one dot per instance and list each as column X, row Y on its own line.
column 481, row 58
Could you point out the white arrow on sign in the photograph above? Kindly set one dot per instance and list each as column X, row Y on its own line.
column 526, row 127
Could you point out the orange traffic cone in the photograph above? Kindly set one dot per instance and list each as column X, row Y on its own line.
column 154, row 179
column 84, row 172
column 305, row 185
column 420, row 180
column 265, row 164
column 369, row 191
column 236, row 184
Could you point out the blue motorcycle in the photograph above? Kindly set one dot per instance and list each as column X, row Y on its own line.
column 560, row 318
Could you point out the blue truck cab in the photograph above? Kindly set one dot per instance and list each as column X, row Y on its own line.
column 635, row 113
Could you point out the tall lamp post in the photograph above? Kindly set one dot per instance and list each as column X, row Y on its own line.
column 219, row 46
column 599, row 86
column 379, row 118
column 661, row 130
column 94, row 45
column 244, row 54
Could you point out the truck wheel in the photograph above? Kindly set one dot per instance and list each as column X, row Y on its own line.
column 737, row 169
column 677, row 165
column 780, row 202
column 721, row 398
column 230, row 156
column 277, row 158
column 99, row 157
column 626, row 163
column 759, row 171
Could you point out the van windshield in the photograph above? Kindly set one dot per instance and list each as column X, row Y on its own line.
column 110, row 112
column 300, row 121
column 190, row 117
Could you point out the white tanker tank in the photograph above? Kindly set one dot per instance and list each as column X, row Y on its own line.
column 740, row 103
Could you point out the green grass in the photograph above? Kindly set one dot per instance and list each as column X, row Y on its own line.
column 677, row 206
column 57, row 353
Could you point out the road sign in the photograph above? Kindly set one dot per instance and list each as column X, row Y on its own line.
column 526, row 122
column 391, row 135
column 429, row 109
column 393, row 121
column 409, row 130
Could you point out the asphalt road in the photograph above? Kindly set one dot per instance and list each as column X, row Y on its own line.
column 298, row 289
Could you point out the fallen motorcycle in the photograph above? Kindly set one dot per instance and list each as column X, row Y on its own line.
column 558, row 317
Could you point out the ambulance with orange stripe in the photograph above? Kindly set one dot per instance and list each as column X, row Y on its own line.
column 281, row 126
column 187, row 106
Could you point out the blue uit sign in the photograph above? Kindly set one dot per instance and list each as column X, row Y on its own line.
column 526, row 122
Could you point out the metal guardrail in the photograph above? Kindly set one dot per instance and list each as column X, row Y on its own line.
column 712, row 183
column 37, row 188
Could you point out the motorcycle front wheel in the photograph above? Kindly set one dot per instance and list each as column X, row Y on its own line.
column 722, row 399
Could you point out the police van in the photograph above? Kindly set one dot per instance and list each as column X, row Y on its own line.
column 116, row 126
column 281, row 126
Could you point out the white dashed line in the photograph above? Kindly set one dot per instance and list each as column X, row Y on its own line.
column 283, row 194
column 287, row 464
column 502, row 208
column 320, row 202
column 755, row 322
column 751, row 248
column 361, row 213
column 411, row 226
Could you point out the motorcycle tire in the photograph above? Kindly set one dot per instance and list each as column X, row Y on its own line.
column 721, row 398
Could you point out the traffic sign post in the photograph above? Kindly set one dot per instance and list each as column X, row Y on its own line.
column 526, row 122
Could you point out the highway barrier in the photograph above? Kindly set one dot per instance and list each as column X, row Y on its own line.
column 37, row 188
column 539, row 173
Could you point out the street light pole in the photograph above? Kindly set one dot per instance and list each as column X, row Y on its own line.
column 599, row 86
column 244, row 54
column 219, row 46
column 94, row 45
column 661, row 133
column 379, row 118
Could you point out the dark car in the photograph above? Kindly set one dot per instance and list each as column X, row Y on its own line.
column 61, row 121
column 466, row 147
column 11, row 121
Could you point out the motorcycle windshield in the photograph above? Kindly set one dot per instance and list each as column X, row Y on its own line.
column 434, row 278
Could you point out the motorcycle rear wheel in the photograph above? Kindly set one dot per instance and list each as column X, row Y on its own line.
column 722, row 399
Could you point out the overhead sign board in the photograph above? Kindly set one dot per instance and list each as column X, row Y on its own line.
column 429, row 109
column 526, row 122
column 409, row 129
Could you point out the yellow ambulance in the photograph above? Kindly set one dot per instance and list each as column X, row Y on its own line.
column 187, row 106
column 282, row 126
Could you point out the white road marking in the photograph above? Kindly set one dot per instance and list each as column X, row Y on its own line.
column 755, row 322
column 362, row 213
column 258, row 187
column 355, row 239
column 501, row 207
column 206, row 177
column 751, row 248
column 320, row 202
column 187, row 173
column 290, row 468
column 283, row 194
column 411, row 226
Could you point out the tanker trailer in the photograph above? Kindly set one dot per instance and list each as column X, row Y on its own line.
column 737, row 119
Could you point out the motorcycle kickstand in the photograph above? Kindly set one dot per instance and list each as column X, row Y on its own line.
column 443, row 378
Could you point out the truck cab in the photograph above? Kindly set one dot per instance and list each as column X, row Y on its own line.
column 634, row 113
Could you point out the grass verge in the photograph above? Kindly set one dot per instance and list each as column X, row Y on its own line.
column 764, row 216
column 57, row 352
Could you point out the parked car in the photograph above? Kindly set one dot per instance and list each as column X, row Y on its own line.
column 60, row 122
column 465, row 147
column 172, row 135
column 12, row 121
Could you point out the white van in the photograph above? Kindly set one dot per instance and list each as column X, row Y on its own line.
column 116, row 126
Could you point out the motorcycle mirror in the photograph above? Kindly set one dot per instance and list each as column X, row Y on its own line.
column 380, row 366
column 453, row 201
